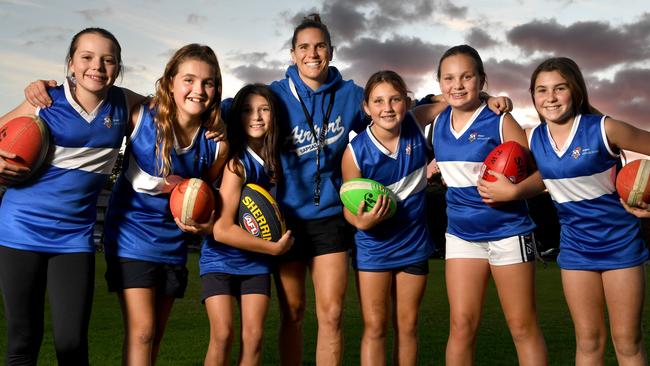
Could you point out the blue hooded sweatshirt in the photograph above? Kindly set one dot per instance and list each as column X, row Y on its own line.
column 298, row 156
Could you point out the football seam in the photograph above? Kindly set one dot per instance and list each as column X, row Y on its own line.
column 640, row 182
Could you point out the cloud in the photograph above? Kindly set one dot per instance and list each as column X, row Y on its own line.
column 411, row 57
column 196, row 19
column 257, row 74
column 626, row 97
column 478, row 38
column 594, row 45
column 92, row 15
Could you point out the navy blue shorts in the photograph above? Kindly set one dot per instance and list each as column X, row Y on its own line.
column 218, row 283
column 318, row 237
column 123, row 273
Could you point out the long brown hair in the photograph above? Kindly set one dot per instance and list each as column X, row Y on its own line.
column 237, row 136
column 166, row 107
column 575, row 81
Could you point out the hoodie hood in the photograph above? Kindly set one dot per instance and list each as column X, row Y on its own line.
column 333, row 78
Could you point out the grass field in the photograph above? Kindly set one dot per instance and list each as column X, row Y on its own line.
column 187, row 334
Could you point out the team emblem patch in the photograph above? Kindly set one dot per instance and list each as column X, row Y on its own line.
column 108, row 122
column 576, row 152
column 408, row 149
column 472, row 136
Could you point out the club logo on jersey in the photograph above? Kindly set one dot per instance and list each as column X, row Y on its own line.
column 251, row 224
column 108, row 122
column 576, row 152
column 472, row 136
column 407, row 149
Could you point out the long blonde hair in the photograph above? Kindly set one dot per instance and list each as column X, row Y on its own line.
column 166, row 107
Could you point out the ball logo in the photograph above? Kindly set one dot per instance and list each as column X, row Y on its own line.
column 370, row 199
column 251, row 224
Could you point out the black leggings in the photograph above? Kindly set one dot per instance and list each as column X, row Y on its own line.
column 69, row 280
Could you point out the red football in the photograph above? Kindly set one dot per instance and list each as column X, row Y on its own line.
column 632, row 182
column 28, row 138
column 193, row 200
column 509, row 159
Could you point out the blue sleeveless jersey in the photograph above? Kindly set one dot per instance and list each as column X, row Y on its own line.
column 55, row 212
column 460, row 156
column 403, row 239
column 139, row 224
column 596, row 232
column 298, row 156
column 223, row 258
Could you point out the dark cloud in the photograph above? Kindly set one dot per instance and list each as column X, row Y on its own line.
column 257, row 74
column 93, row 14
column 625, row 97
column 411, row 57
column 478, row 38
column 448, row 8
column 594, row 45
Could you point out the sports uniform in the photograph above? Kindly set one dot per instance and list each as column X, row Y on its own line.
column 139, row 225
column 48, row 222
column 222, row 259
column 596, row 232
column 315, row 227
column 403, row 239
column 471, row 223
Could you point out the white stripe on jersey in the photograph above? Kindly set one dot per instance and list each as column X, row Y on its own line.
column 410, row 185
column 458, row 174
column 581, row 188
column 90, row 159
column 143, row 182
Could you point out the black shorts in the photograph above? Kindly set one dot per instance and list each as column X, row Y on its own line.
column 217, row 283
column 418, row 269
column 123, row 273
column 318, row 237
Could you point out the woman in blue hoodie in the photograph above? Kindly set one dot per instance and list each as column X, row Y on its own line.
column 320, row 110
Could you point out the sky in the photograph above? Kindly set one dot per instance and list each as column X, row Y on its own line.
column 610, row 40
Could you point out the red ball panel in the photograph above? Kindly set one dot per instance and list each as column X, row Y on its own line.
column 28, row 138
column 192, row 200
column 632, row 182
column 509, row 159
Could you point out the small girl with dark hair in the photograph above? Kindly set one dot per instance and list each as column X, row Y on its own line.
column 391, row 259
column 235, row 266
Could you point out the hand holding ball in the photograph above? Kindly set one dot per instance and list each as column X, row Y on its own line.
column 28, row 138
column 192, row 201
column 632, row 182
column 356, row 190
column 509, row 159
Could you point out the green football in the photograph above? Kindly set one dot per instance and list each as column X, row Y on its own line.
column 361, row 189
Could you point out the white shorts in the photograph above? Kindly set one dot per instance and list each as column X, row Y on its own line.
column 511, row 250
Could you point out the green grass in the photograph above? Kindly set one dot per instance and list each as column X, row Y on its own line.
column 187, row 332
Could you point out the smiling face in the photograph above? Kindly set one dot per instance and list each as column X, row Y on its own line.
column 312, row 55
column 552, row 97
column 193, row 88
column 94, row 64
column 460, row 82
column 256, row 117
column 386, row 106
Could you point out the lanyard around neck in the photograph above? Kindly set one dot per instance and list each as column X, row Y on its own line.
column 319, row 138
